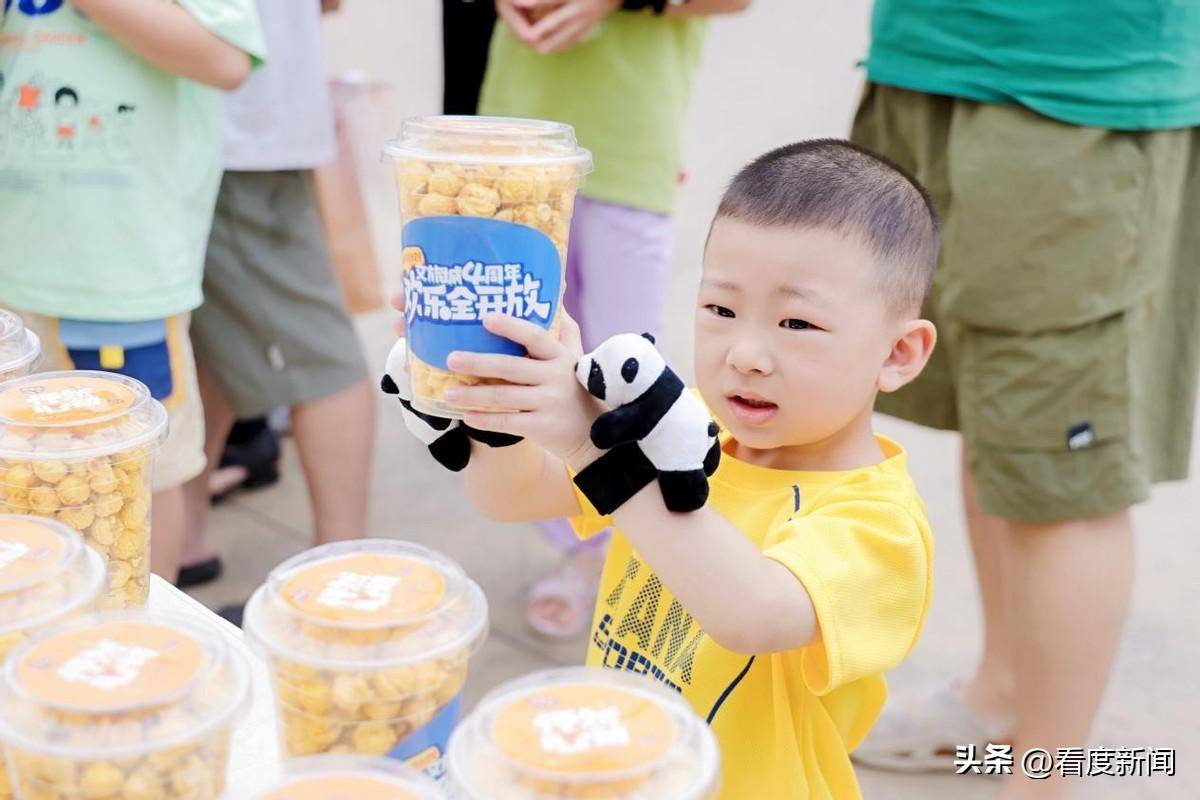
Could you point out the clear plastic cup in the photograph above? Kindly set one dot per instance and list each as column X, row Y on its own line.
column 129, row 705
column 20, row 350
column 583, row 732
column 357, row 777
column 486, row 205
column 368, row 643
column 79, row 447
column 47, row 576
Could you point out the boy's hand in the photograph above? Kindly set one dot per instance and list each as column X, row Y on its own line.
column 549, row 406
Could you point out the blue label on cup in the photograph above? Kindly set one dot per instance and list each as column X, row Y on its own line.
column 425, row 749
column 459, row 268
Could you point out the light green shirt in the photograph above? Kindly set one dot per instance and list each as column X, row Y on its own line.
column 626, row 89
column 1123, row 64
column 109, row 166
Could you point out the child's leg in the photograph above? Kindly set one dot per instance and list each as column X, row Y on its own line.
column 1069, row 590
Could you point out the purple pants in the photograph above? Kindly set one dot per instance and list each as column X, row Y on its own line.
column 618, row 263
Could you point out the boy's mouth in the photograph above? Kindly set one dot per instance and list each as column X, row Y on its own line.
column 752, row 409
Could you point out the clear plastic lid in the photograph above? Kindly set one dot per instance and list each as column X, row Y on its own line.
column 19, row 347
column 78, row 414
column 120, row 684
column 46, row 571
column 367, row 603
column 583, row 732
column 352, row 778
column 489, row 140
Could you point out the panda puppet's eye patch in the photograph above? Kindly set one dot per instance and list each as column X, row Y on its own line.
column 629, row 369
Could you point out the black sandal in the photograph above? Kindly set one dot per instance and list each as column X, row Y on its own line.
column 253, row 446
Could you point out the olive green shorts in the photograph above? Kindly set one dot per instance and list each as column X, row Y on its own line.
column 1067, row 299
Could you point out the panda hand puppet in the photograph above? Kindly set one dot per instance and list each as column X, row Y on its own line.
column 448, row 440
column 653, row 420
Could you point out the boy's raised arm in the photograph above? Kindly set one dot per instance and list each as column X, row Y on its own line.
column 521, row 483
column 168, row 36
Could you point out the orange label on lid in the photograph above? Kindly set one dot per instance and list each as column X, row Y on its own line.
column 65, row 400
column 27, row 549
column 366, row 589
column 583, row 729
column 111, row 667
column 341, row 787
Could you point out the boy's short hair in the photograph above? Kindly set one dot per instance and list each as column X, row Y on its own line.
column 835, row 184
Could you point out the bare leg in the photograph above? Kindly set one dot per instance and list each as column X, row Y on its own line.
column 335, row 436
column 991, row 690
column 218, row 420
column 166, row 525
column 1069, row 589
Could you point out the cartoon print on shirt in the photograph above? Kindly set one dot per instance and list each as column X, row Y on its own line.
column 66, row 115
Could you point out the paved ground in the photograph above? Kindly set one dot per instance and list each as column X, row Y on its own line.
column 784, row 71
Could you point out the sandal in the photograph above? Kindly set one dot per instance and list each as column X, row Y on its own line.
column 559, row 606
column 250, row 460
column 921, row 733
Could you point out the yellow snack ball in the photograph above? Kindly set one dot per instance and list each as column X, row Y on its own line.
column 419, row 710
column 382, row 711
column 517, row 186
column 373, row 738
column 104, row 531
column 20, row 475
column 505, row 215
column 414, row 176
column 143, row 784
column 477, row 200
column 135, row 512
column 350, row 691
column 314, row 696
column 44, row 500
column 192, row 779
column 446, row 182
column 73, row 490
column 164, row 760
column 119, row 574
column 80, row 517
column 50, row 471
column 436, row 205
column 108, row 504
column 307, row 735
column 128, row 545
column 100, row 779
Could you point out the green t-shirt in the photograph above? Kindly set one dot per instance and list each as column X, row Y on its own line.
column 1123, row 64
column 626, row 89
column 109, row 166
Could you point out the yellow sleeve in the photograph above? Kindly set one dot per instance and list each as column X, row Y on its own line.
column 588, row 522
column 867, row 565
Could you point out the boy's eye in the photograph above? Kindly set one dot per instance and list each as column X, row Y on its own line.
column 793, row 324
column 720, row 311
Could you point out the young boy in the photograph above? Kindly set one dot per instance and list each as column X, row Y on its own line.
column 776, row 609
column 108, row 196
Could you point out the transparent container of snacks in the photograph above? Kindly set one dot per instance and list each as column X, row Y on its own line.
column 47, row 576
column 79, row 447
column 486, row 206
column 367, row 643
column 127, row 704
column 359, row 777
column 582, row 732
column 20, row 350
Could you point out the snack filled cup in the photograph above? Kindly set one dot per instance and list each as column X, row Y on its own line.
column 357, row 777
column 47, row 575
column 20, row 350
column 79, row 447
column 127, row 705
column 582, row 732
column 367, row 643
column 486, row 206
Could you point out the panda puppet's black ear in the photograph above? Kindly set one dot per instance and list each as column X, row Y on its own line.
column 649, row 337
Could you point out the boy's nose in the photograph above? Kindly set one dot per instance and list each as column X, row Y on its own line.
column 748, row 356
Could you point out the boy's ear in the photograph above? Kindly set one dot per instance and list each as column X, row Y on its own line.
column 910, row 353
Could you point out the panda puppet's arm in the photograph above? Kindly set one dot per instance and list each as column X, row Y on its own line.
column 448, row 440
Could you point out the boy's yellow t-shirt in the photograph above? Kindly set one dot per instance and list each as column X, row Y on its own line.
column 860, row 543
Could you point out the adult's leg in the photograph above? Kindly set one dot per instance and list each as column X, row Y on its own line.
column 167, row 532
column 335, row 435
column 1069, row 590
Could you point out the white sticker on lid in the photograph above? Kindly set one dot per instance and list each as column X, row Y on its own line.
column 63, row 400
column 107, row 665
column 11, row 552
column 568, row 731
column 359, row 592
